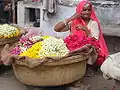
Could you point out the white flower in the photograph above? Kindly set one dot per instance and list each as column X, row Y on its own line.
column 53, row 47
column 6, row 29
column 35, row 38
column 23, row 49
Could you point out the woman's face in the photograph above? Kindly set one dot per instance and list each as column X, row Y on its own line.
column 86, row 12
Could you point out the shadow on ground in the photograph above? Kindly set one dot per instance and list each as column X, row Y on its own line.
column 113, row 43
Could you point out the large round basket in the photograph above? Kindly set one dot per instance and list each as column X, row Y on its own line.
column 51, row 74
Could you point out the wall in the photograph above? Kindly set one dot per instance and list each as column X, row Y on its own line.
column 48, row 24
column 108, row 15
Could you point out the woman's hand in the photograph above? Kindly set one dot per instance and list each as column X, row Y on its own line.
column 84, row 28
column 81, row 27
column 74, row 16
column 62, row 26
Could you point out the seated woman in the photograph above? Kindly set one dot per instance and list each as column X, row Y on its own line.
column 85, row 24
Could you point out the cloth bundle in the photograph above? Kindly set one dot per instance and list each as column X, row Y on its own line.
column 111, row 67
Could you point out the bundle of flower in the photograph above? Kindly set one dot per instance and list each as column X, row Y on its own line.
column 8, row 31
column 36, row 50
column 53, row 47
column 33, row 52
column 24, row 44
column 40, row 47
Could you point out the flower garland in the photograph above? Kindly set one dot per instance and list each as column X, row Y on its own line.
column 47, row 47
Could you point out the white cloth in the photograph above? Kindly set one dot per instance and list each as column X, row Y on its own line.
column 111, row 67
column 49, row 5
column 93, row 27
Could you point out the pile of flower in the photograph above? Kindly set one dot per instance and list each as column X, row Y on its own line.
column 53, row 47
column 24, row 44
column 33, row 52
column 40, row 47
column 8, row 31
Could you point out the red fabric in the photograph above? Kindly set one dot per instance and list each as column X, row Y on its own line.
column 103, row 51
column 35, row 0
column 74, row 41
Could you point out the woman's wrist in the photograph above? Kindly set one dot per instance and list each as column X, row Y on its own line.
column 65, row 22
column 87, row 31
column 76, row 15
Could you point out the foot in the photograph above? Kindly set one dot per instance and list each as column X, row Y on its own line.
column 89, row 73
column 82, row 87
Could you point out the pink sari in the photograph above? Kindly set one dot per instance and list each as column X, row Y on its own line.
column 81, row 35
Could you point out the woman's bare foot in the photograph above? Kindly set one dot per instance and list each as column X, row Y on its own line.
column 89, row 71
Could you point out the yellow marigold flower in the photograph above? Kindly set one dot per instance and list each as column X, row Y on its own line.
column 1, row 36
column 11, row 35
column 45, row 37
column 17, row 32
column 33, row 52
column 5, row 36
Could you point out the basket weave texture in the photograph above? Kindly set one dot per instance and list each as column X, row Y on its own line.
column 48, row 75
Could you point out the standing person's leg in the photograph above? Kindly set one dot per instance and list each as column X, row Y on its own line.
column 1, row 11
column 32, row 14
column 37, row 18
column 37, row 14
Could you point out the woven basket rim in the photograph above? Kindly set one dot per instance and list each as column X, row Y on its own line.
column 60, row 62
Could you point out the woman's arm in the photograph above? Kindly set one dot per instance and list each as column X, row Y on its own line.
column 63, row 26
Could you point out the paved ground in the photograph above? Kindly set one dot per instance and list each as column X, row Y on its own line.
column 9, row 82
column 113, row 43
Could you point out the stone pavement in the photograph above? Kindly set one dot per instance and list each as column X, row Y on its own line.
column 113, row 43
column 9, row 82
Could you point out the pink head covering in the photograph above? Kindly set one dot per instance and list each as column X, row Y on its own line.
column 93, row 16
